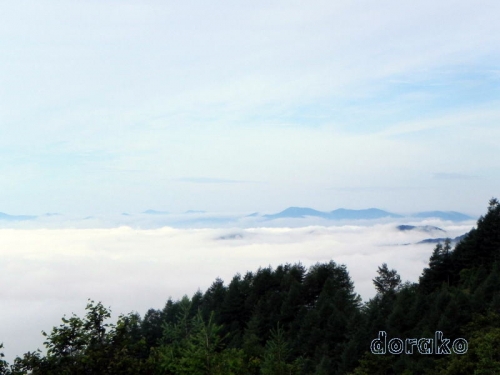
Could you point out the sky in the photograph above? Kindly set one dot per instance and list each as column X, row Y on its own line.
column 110, row 107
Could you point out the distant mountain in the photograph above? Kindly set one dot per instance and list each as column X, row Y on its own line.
column 443, row 215
column 195, row 212
column 7, row 217
column 339, row 214
column 154, row 212
column 231, row 236
column 298, row 213
column 441, row 240
column 367, row 214
column 423, row 228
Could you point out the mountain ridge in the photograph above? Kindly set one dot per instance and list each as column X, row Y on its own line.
column 7, row 217
column 338, row 214
column 294, row 212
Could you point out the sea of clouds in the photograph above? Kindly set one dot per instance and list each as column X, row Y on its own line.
column 48, row 273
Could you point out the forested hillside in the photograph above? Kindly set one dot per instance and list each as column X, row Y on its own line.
column 293, row 320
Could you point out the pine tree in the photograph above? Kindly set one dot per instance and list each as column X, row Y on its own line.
column 276, row 354
column 440, row 268
column 387, row 280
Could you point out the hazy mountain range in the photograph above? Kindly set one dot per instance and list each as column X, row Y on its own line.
column 420, row 228
column 7, row 217
column 416, row 229
column 366, row 214
column 441, row 240
column 289, row 213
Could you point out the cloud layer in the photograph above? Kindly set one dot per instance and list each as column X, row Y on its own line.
column 46, row 273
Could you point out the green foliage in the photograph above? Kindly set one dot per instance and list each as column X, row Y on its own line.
column 252, row 346
column 151, row 327
column 387, row 280
column 483, row 357
column 440, row 269
column 89, row 345
column 276, row 355
column 80, row 345
column 371, row 364
column 4, row 370
column 195, row 347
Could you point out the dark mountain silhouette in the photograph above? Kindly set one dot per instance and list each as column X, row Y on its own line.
column 441, row 240
column 423, row 228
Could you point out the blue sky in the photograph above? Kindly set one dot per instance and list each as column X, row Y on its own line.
column 111, row 106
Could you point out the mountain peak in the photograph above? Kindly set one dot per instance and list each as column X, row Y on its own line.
column 296, row 212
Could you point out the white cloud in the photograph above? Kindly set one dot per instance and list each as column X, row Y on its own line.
column 46, row 273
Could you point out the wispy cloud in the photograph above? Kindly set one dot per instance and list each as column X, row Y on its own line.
column 360, row 189
column 106, row 108
column 215, row 180
column 210, row 180
column 453, row 176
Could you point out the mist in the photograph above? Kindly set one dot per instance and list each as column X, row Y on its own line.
column 48, row 273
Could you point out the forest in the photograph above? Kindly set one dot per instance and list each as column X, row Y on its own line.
column 293, row 320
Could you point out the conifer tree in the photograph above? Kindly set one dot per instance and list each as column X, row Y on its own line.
column 387, row 280
column 276, row 354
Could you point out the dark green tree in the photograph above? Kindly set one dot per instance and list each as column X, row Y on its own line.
column 440, row 268
column 4, row 366
column 151, row 327
column 252, row 346
column 387, row 280
column 276, row 355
